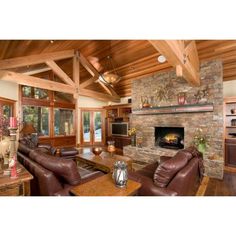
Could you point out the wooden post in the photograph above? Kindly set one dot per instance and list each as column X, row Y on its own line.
column 76, row 78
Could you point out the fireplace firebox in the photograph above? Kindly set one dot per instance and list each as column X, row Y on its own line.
column 169, row 137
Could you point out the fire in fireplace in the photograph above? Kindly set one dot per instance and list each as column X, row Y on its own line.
column 169, row 137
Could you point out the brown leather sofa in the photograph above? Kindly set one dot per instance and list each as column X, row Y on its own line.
column 53, row 176
column 173, row 176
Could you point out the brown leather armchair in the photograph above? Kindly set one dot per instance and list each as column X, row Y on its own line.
column 179, row 175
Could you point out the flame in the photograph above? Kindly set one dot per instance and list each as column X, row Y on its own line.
column 171, row 137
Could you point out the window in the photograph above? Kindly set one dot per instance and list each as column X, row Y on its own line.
column 39, row 117
column 7, row 107
column 63, row 122
column 36, row 93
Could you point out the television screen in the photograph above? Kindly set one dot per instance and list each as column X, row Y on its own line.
column 119, row 129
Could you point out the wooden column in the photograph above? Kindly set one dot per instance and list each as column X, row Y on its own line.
column 76, row 78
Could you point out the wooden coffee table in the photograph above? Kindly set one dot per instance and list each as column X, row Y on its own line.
column 105, row 186
column 104, row 161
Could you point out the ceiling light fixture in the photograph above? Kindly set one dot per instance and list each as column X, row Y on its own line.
column 161, row 59
column 110, row 75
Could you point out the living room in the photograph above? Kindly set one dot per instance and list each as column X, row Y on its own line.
column 117, row 116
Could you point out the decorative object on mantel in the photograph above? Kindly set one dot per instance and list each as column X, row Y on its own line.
column 144, row 102
column 202, row 96
column 200, row 140
column 181, row 98
column 120, row 174
column 111, row 147
column 132, row 134
column 165, row 91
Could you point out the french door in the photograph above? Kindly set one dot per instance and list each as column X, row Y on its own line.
column 92, row 127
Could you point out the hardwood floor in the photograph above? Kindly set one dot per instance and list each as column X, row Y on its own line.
column 225, row 187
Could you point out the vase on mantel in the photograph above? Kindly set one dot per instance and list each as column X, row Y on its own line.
column 133, row 140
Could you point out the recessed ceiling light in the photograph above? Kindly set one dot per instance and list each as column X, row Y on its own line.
column 161, row 59
column 51, row 41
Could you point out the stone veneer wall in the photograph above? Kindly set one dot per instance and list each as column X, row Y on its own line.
column 211, row 74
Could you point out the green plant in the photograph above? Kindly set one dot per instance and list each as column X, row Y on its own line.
column 200, row 138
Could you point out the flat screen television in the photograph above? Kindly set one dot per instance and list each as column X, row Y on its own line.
column 119, row 128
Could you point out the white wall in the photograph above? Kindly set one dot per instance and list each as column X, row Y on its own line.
column 91, row 102
column 8, row 90
column 229, row 88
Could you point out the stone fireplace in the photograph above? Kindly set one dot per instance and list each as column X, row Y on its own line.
column 169, row 137
column 211, row 122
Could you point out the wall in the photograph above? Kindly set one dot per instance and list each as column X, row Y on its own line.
column 90, row 102
column 211, row 122
column 229, row 88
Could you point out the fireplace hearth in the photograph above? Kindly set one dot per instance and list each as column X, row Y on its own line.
column 169, row 137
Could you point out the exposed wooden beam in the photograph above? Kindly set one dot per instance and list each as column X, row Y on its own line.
column 98, row 95
column 109, row 89
column 178, row 55
column 59, row 72
column 76, row 69
column 36, row 71
column 88, row 82
column 35, row 82
column 88, row 66
column 34, row 59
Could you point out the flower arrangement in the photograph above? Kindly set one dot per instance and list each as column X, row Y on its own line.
column 132, row 131
column 200, row 138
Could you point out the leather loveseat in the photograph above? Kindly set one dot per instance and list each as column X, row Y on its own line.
column 53, row 176
column 179, row 175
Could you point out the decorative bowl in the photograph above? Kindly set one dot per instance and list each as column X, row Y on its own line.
column 97, row 151
column 233, row 111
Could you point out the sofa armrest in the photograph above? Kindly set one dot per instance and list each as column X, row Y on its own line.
column 44, row 145
column 164, row 158
column 148, row 187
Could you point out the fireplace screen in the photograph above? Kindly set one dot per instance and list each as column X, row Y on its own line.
column 169, row 137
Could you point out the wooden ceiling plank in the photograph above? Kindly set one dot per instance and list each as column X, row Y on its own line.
column 35, row 82
column 175, row 52
column 59, row 72
column 34, row 59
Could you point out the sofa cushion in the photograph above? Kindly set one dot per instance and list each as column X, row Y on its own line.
column 168, row 169
column 66, row 169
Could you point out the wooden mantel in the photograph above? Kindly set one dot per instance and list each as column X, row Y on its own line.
column 190, row 108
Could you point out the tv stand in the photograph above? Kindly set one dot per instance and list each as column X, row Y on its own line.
column 120, row 142
column 116, row 113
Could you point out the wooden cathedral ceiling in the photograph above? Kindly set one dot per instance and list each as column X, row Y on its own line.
column 132, row 58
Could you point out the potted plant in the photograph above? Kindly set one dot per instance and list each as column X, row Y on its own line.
column 200, row 140
column 132, row 134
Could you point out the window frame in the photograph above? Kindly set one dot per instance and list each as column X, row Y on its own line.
column 50, row 103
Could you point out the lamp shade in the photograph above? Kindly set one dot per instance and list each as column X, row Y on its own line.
column 28, row 128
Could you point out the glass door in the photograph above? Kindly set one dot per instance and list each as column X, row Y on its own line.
column 92, row 127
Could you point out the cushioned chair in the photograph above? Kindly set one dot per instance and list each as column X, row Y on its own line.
column 179, row 175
